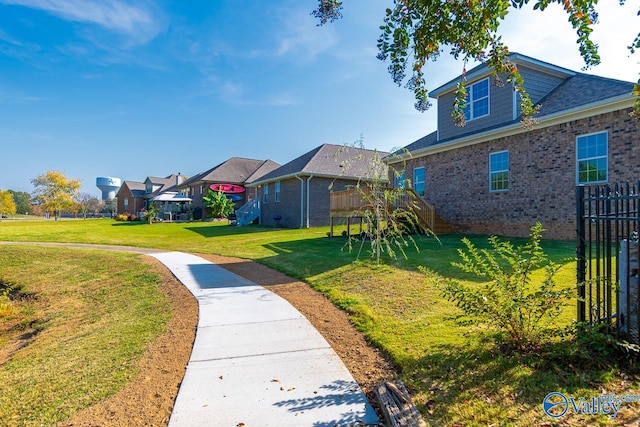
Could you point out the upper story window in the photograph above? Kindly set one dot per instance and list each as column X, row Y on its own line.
column 499, row 171
column 592, row 158
column 276, row 192
column 265, row 193
column 418, row 181
column 477, row 100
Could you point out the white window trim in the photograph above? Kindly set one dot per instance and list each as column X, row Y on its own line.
column 508, row 170
column 265, row 193
column 578, row 160
column 276, row 191
column 470, row 100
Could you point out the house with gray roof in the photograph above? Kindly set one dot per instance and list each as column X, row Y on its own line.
column 234, row 173
column 130, row 197
column 495, row 176
column 297, row 194
column 133, row 196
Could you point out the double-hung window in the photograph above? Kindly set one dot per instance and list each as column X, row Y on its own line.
column 265, row 193
column 499, row 171
column 276, row 192
column 477, row 100
column 418, row 181
column 592, row 158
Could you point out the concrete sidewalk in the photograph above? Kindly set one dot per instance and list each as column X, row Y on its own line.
column 256, row 360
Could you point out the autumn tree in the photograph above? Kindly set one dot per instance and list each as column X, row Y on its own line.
column 54, row 192
column 7, row 205
column 417, row 31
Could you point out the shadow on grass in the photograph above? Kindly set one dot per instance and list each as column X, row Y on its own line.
column 217, row 230
column 480, row 376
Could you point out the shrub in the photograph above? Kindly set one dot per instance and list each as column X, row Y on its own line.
column 520, row 310
column 121, row 217
column 149, row 215
column 221, row 206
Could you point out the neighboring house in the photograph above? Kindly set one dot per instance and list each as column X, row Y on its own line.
column 297, row 194
column 130, row 197
column 236, row 172
column 494, row 176
column 133, row 197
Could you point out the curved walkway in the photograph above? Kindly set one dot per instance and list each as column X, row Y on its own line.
column 256, row 361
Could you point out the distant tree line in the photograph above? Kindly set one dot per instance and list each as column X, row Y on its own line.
column 53, row 194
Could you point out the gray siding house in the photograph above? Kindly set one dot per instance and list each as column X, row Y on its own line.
column 495, row 176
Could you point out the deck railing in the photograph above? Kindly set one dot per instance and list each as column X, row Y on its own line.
column 356, row 202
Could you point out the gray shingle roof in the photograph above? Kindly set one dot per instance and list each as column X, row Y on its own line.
column 582, row 89
column 328, row 160
column 235, row 170
column 137, row 189
column 423, row 142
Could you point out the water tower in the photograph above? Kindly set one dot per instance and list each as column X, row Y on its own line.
column 109, row 186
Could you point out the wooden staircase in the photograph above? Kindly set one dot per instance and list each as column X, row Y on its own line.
column 440, row 226
column 352, row 202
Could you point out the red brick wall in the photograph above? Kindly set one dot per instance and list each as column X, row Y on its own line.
column 542, row 177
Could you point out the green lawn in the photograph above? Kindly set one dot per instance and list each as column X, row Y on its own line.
column 454, row 376
column 93, row 314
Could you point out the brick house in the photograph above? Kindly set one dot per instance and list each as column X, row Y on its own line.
column 298, row 193
column 235, row 171
column 494, row 176
column 130, row 197
column 133, row 196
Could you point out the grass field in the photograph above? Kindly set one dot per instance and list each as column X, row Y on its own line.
column 92, row 315
column 455, row 376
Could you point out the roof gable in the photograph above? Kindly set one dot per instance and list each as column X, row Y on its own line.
column 236, row 170
column 328, row 160
column 483, row 70
column 574, row 95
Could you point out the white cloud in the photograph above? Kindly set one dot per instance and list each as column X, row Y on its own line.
column 301, row 38
column 140, row 23
column 548, row 36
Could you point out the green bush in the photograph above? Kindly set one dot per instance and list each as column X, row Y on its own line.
column 221, row 206
column 519, row 308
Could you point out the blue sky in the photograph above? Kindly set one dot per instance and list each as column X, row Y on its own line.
column 132, row 89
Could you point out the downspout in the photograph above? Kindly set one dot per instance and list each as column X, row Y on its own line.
column 308, row 179
column 301, row 200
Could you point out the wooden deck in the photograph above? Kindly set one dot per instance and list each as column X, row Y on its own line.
column 358, row 203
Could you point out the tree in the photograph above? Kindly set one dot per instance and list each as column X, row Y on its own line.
column 7, row 205
column 55, row 192
column 22, row 201
column 221, row 206
column 389, row 212
column 416, row 31
column 88, row 204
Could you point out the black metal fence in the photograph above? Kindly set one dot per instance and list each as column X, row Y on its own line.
column 608, row 222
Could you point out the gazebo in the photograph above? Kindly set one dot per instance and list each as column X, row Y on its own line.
column 173, row 205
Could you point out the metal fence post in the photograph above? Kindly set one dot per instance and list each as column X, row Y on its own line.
column 580, row 253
